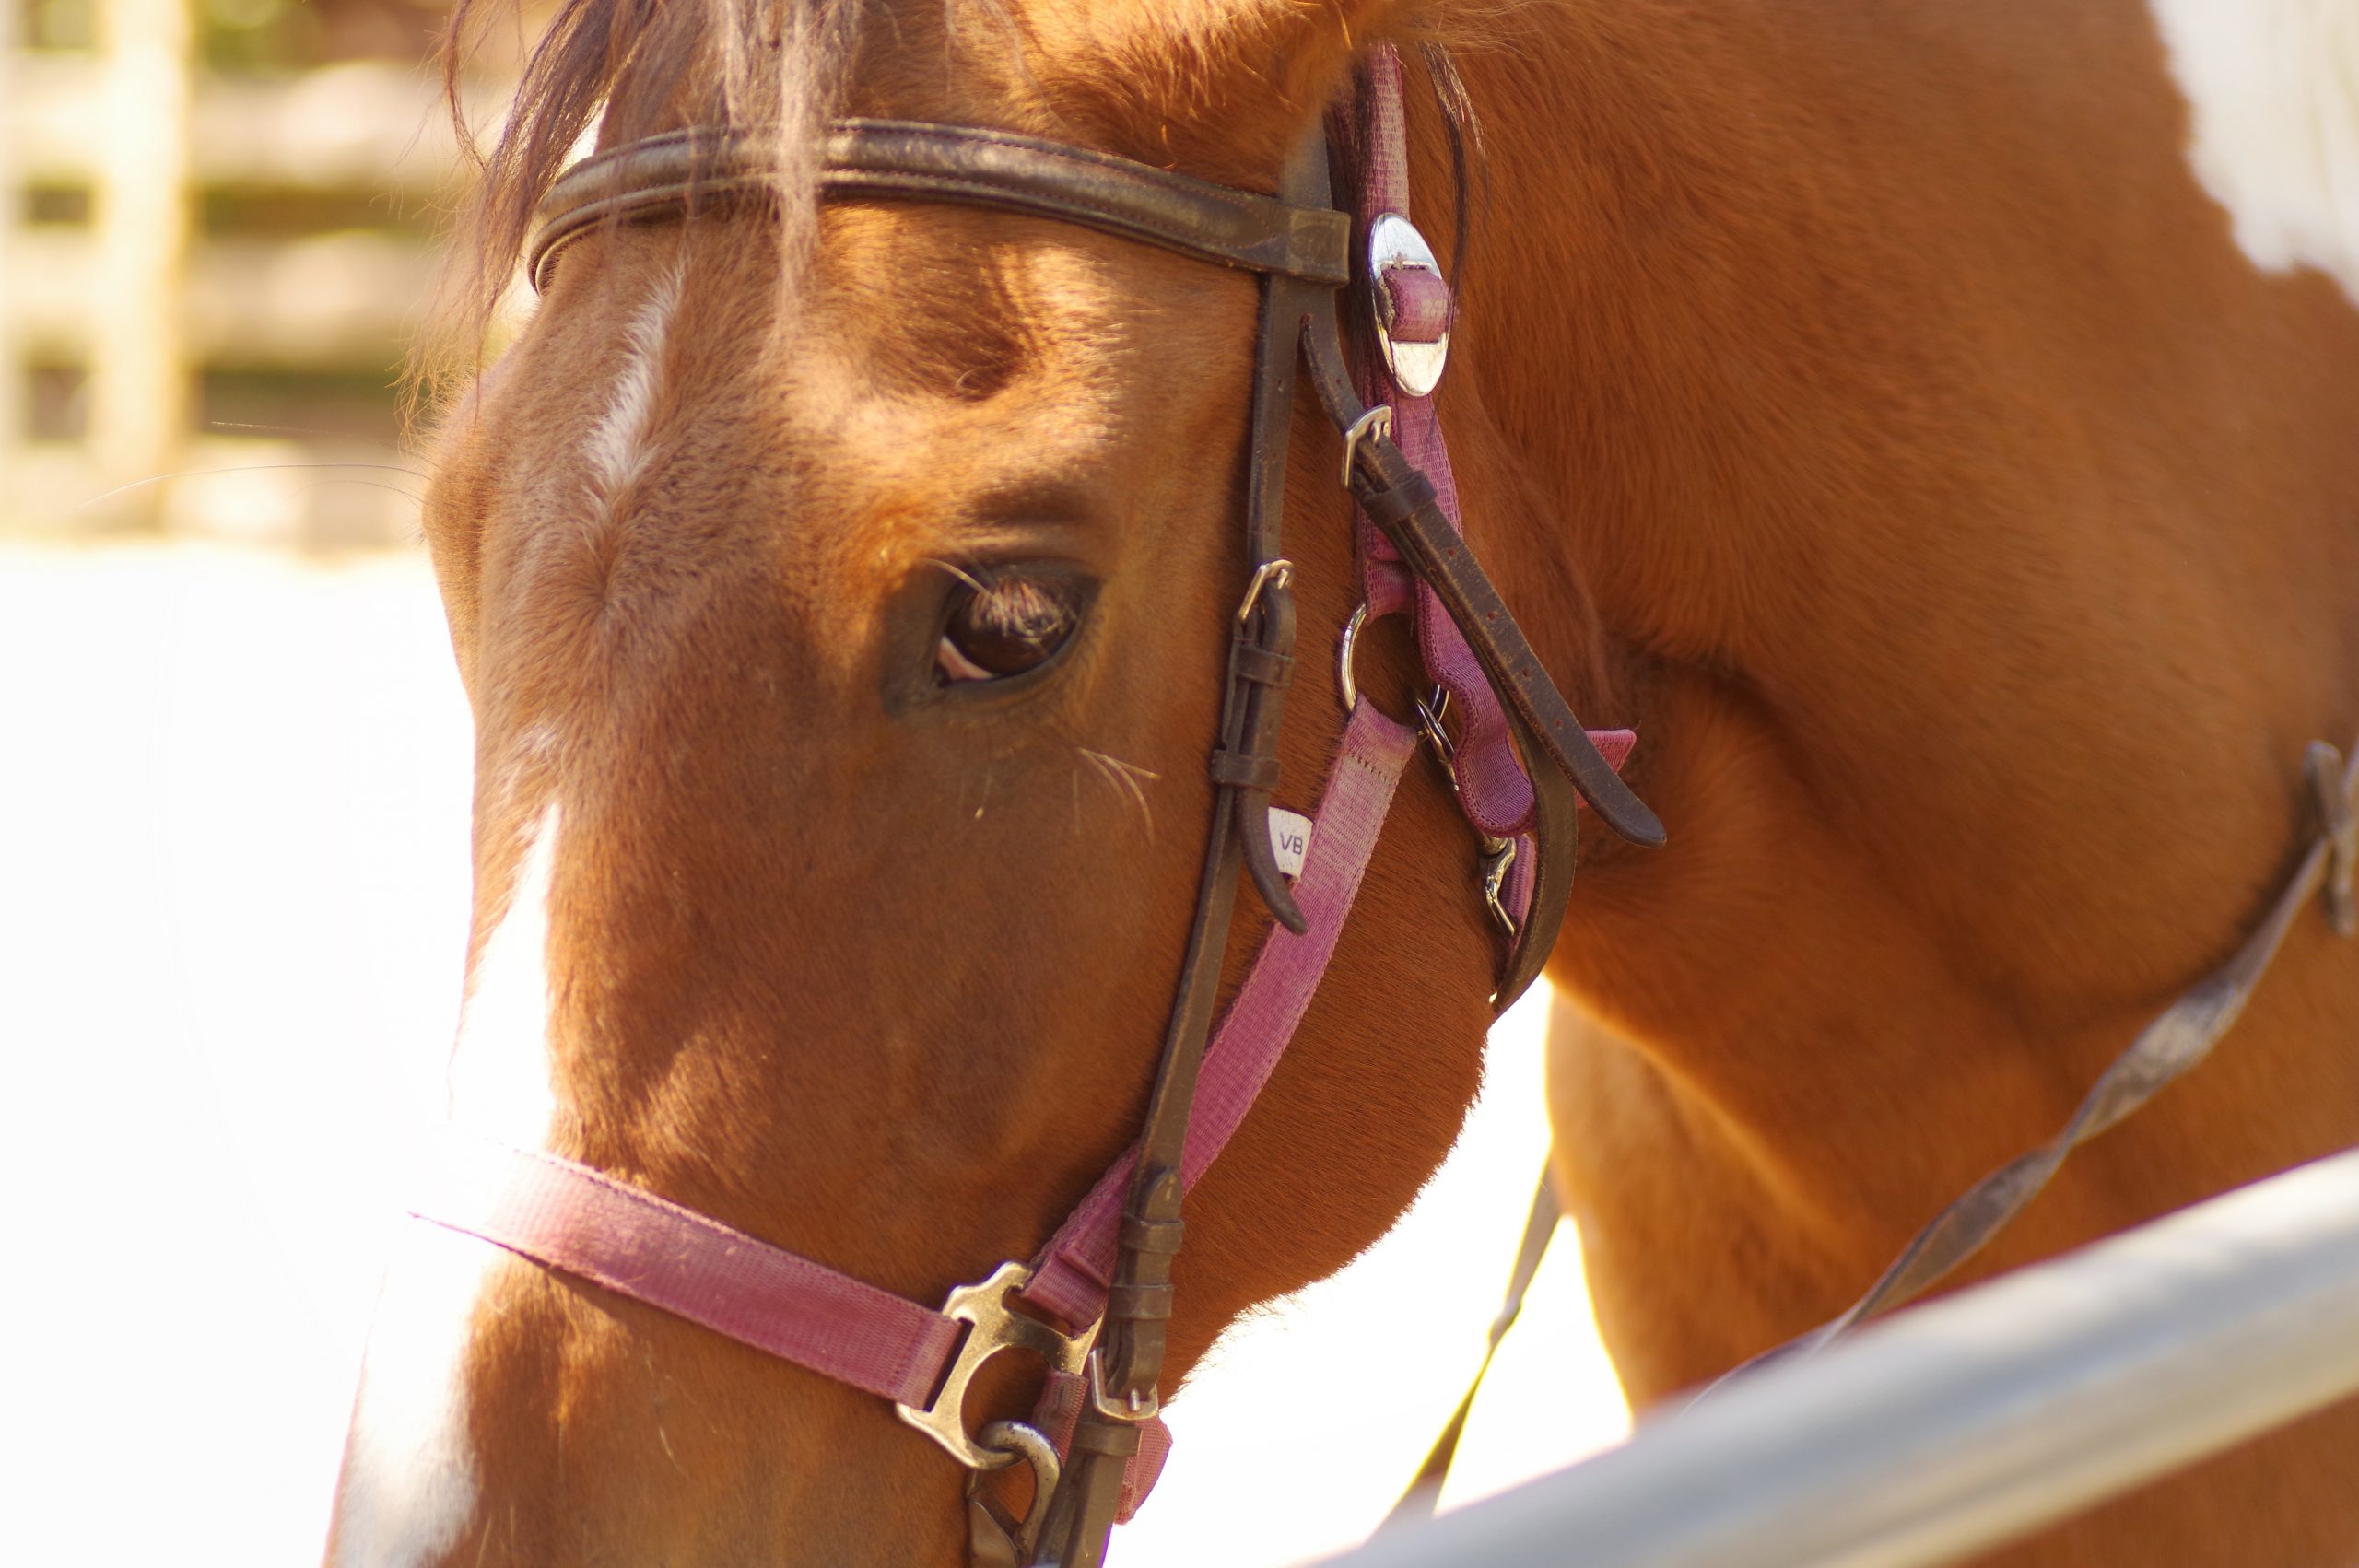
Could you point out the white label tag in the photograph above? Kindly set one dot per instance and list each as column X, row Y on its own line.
column 1289, row 839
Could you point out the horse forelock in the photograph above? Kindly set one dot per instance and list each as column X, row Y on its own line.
column 619, row 70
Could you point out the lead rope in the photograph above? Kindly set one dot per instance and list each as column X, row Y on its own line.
column 1418, row 1502
column 2163, row 1053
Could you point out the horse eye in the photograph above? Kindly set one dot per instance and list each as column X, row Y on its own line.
column 1005, row 626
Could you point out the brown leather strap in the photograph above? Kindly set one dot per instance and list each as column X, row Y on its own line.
column 1266, row 635
column 1556, row 841
column 1399, row 501
column 1131, row 1348
column 679, row 172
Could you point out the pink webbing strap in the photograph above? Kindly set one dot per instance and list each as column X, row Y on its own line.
column 1072, row 1273
column 1492, row 787
column 568, row 1216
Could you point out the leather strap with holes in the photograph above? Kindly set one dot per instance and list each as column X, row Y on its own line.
column 685, row 172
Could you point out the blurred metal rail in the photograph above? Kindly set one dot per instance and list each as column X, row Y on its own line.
column 1976, row 1419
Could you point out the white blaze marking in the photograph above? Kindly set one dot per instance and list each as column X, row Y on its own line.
column 410, row 1482
column 500, row 1076
column 617, row 449
column 2273, row 86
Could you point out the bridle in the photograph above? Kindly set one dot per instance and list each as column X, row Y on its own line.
column 1521, row 764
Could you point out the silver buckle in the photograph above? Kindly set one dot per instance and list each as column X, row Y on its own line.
column 1497, row 858
column 1130, row 1408
column 994, row 1327
column 1268, row 575
column 1377, row 421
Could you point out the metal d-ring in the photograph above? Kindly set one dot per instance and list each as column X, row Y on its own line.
column 1347, row 685
column 1377, row 421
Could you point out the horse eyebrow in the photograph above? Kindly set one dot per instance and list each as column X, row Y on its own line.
column 1030, row 501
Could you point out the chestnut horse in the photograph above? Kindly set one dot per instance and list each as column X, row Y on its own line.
column 1951, row 478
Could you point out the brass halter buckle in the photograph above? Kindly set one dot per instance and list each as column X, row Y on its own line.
column 994, row 1327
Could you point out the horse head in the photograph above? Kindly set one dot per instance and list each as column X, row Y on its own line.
column 845, row 591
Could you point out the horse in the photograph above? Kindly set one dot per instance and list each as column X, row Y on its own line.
column 1916, row 424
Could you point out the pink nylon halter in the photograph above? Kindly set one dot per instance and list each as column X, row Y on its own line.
column 568, row 1217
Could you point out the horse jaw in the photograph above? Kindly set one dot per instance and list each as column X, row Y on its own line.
column 2274, row 88
column 410, row 1482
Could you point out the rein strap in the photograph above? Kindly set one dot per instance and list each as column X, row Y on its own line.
column 2177, row 1041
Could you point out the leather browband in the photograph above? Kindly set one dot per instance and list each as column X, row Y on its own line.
column 671, row 174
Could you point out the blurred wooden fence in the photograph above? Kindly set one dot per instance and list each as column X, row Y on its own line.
column 118, row 296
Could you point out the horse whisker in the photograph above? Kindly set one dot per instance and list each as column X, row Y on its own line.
column 1125, row 777
column 410, row 496
column 246, row 468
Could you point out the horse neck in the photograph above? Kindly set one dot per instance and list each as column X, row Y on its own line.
column 1944, row 580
